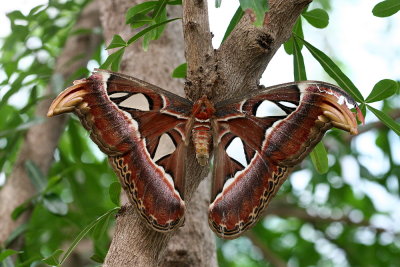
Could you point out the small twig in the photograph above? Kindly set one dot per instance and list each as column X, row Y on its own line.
column 268, row 254
column 285, row 210
column 348, row 253
column 394, row 114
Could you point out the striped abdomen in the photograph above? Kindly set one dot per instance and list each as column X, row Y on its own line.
column 201, row 134
column 203, row 110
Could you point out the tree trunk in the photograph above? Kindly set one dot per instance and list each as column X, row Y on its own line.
column 42, row 139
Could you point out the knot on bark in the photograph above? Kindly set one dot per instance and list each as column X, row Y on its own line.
column 265, row 40
column 123, row 210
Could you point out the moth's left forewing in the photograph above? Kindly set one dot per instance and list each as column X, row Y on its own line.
column 277, row 127
column 142, row 129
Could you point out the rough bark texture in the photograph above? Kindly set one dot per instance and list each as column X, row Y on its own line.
column 198, row 49
column 41, row 140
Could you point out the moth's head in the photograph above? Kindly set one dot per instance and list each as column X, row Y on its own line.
column 203, row 109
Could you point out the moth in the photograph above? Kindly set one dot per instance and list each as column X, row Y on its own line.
column 253, row 141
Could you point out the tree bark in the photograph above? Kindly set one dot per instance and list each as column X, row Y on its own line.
column 42, row 139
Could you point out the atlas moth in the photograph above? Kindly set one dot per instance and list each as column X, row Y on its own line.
column 254, row 141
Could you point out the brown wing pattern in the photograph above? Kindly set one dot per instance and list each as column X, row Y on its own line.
column 130, row 121
column 278, row 127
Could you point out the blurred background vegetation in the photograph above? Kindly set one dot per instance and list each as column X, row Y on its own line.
column 342, row 212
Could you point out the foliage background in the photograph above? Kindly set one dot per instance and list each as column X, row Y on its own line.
column 333, row 219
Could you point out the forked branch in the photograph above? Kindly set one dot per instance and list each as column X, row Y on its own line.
column 244, row 56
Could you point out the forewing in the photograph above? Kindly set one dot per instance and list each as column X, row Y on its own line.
column 258, row 139
column 143, row 130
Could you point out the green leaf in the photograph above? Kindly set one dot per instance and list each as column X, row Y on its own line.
column 159, row 8
column 7, row 253
column 259, row 7
column 97, row 258
column 234, row 21
column 160, row 18
column 52, row 181
column 117, row 55
column 116, row 41
column 82, row 234
column 35, row 10
column 386, row 8
column 298, row 63
column 36, row 175
column 53, row 259
column 334, row 71
column 143, row 32
column 157, row 32
column 55, row 205
column 101, row 228
column 142, row 9
column 14, row 15
column 297, row 30
column 20, row 209
column 319, row 158
column 146, row 41
column 117, row 60
column 386, row 119
column 363, row 108
column 114, row 192
column 218, row 3
column 382, row 90
column 317, row 18
column 175, row 2
column 180, row 71
column 398, row 88
column 140, row 20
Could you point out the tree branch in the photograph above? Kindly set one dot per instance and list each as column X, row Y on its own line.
column 268, row 254
column 286, row 210
column 198, row 47
column 247, row 51
column 42, row 139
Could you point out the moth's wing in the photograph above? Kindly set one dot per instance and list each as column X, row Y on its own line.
column 258, row 139
column 142, row 129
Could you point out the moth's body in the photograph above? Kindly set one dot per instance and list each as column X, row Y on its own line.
column 255, row 141
column 203, row 111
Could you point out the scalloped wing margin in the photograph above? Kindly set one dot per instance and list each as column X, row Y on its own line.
column 273, row 141
column 131, row 134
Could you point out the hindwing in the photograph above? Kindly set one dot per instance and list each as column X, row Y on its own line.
column 272, row 130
